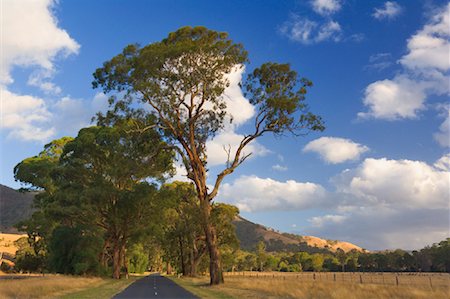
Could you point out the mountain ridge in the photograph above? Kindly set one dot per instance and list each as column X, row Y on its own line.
column 16, row 206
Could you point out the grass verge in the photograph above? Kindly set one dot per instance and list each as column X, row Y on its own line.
column 61, row 286
column 105, row 290
column 199, row 286
column 246, row 288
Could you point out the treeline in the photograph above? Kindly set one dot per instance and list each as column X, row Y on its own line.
column 435, row 258
column 103, row 207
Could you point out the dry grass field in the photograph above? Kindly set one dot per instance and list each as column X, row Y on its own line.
column 61, row 286
column 7, row 243
column 290, row 287
column 51, row 286
column 384, row 278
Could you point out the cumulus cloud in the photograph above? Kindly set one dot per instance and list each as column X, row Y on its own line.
column 443, row 135
column 24, row 117
column 306, row 31
column 393, row 203
column 227, row 140
column 252, row 193
column 326, row 7
column 394, row 99
column 336, row 150
column 424, row 73
column 381, row 203
column 443, row 163
column 379, row 228
column 389, row 10
column 396, row 183
column 35, row 44
column 30, row 118
column 429, row 47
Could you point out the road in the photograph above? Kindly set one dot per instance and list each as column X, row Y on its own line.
column 154, row 286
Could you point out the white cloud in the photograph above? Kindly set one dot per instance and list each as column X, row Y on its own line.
column 424, row 73
column 394, row 99
column 392, row 203
column 379, row 204
column 306, row 31
column 31, row 118
column 319, row 221
column 443, row 163
column 326, row 7
column 390, row 10
column 25, row 116
column 396, row 183
column 429, row 48
column 228, row 139
column 443, row 135
column 251, row 193
column 31, row 37
column 180, row 173
column 279, row 167
column 329, row 31
column 336, row 150
column 237, row 105
column 379, row 228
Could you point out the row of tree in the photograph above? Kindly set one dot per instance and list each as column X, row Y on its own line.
column 435, row 258
column 102, row 208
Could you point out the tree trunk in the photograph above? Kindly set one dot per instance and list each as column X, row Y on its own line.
column 215, row 268
column 169, row 269
column 123, row 252
column 183, row 262
column 116, row 260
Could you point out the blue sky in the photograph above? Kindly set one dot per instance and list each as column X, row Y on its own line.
column 378, row 176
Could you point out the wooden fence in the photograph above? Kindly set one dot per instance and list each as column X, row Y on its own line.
column 385, row 278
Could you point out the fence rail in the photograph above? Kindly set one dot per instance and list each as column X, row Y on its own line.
column 384, row 278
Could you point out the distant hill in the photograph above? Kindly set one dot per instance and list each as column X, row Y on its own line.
column 249, row 234
column 15, row 206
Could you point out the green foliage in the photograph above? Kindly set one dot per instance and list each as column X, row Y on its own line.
column 74, row 250
column 28, row 258
column 317, row 262
column 137, row 259
column 278, row 95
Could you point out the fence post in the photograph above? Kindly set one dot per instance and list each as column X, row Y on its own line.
column 334, row 277
column 396, row 279
column 360, row 278
column 314, row 276
column 431, row 284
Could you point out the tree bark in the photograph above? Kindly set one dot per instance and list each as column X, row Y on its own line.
column 183, row 262
column 169, row 268
column 123, row 251
column 215, row 268
column 116, row 260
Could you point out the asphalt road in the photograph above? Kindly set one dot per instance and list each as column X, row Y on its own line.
column 154, row 286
